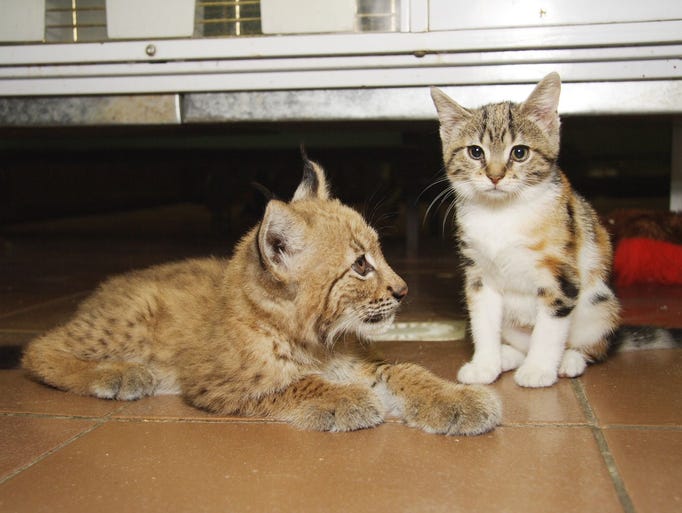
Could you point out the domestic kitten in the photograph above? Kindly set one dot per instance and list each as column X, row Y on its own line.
column 537, row 260
column 273, row 331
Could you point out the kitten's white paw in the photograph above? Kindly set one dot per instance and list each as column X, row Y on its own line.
column 573, row 364
column 471, row 373
column 511, row 358
column 534, row 376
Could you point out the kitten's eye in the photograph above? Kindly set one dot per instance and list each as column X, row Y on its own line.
column 476, row 152
column 520, row 153
column 362, row 266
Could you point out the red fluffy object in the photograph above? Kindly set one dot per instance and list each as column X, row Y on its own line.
column 640, row 260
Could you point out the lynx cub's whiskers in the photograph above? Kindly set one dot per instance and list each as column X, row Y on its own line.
column 276, row 331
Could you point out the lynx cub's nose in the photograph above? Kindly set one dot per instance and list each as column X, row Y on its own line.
column 399, row 292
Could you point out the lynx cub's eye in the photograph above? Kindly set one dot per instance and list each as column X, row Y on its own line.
column 476, row 152
column 362, row 266
column 520, row 153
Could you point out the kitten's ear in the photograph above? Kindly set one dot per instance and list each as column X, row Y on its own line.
column 450, row 113
column 281, row 236
column 314, row 182
column 543, row 103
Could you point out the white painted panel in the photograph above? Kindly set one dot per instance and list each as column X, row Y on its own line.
column 463, row 14
column 419, row 15
column 634, row 63
column 94, row 82
column 438, row 42
column 22, row 20
column 307, row 16
column 136, row 19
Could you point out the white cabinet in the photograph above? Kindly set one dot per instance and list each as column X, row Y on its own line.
column 364, row 59
column 467, row 14
column 22, row 20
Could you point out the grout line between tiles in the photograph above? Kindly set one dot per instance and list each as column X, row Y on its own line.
column 637, row 427
column 53, row 416
column 581, row 396
column 98, row 422
column 161, row 420
column 545, row 425
column 604, row 450
column 113, row 416
column 58, row 299
column 54, row 450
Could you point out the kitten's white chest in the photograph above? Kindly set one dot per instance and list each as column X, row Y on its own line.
column 498, row 242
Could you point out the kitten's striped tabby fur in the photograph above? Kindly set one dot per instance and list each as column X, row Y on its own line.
column 537, row 261
column 271, row 332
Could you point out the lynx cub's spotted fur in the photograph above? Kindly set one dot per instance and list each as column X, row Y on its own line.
column 272, row 332
column 536, row 258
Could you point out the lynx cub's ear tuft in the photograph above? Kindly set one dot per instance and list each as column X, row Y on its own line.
column 450, row 113
column 543, row 103
column 281, row 237
column 314, row 183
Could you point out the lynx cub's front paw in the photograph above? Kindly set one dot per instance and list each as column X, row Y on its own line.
column 534, row 376
column 455, row 410
column 122, row 381
column 472, row 373
column 349, row 410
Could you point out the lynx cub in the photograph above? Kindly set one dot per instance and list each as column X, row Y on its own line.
column 272, row 332
column 536, row 259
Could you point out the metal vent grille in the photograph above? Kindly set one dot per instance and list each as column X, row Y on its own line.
column 220, row 18
column 216, row 18
column 74, row 21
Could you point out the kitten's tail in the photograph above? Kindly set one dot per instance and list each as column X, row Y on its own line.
column 637, row 338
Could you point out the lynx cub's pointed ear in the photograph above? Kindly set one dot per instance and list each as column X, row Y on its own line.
column 543, row 103
column 281, row 237
column 450, row 113
column 314, row 183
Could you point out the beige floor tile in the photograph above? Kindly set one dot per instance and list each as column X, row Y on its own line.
column 43, row 316
column 152, row 467
column 649, row 304
column 650, row 463
column 169, row 407
column 433, row 294
column 554, row 405
column 26, row 438
column 160, row 454
column 16, row 338
column 640, row 387
column 557, row 404
column 21, row 395
column 19, row 300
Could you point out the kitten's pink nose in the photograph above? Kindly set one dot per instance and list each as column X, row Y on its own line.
column 495, row 179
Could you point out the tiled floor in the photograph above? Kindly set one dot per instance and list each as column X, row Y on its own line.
column 610, row 441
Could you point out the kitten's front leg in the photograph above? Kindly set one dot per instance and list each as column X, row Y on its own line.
column 556, row 302
column 547, row 344
column 485, row 315
column 435, row 405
